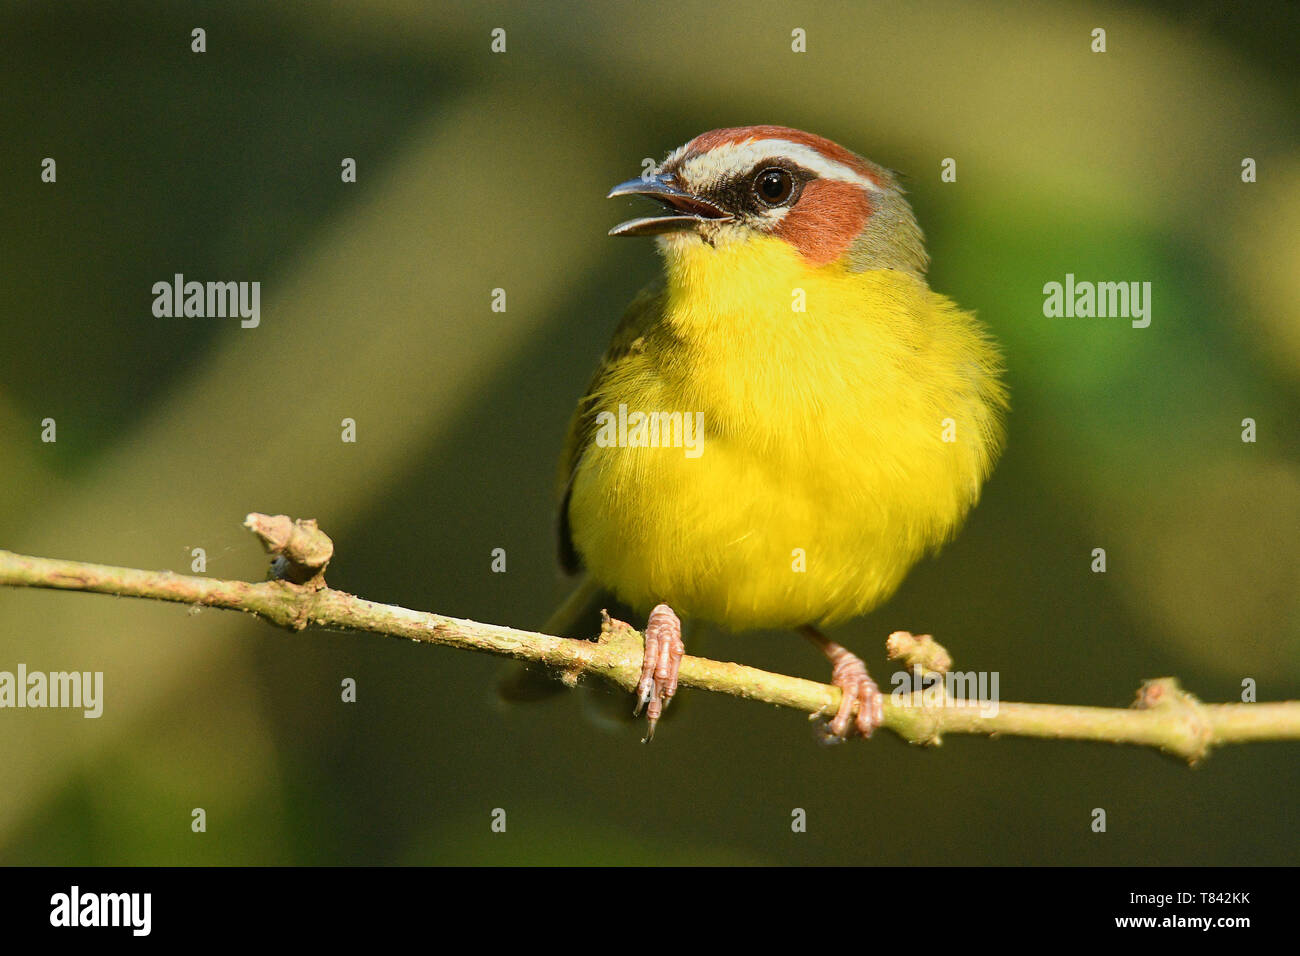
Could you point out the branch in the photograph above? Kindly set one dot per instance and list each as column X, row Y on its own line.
column 1163, row 716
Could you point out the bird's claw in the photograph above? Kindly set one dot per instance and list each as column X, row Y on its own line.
column 862, row 706
column 659, row 665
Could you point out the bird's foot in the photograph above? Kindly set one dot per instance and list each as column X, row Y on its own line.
column 857, row 692
column 663, row 656
column 862, row 706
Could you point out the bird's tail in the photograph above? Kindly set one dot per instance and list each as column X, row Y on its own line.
column 574, row 613
column 578, row 617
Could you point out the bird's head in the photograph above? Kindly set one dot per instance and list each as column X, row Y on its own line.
column 736, row 185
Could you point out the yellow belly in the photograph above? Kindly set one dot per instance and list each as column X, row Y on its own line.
column 838, row 444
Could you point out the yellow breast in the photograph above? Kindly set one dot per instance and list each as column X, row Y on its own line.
column 846, row 424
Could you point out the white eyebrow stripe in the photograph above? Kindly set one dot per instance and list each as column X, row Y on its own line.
column 732, row 159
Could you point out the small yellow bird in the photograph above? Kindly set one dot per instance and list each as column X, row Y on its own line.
column 789, row 420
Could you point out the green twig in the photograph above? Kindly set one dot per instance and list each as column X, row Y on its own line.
column 1164, row 716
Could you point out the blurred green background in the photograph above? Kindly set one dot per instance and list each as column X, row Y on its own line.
column 479, row 170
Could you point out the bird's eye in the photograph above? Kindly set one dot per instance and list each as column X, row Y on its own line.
column 774, row 186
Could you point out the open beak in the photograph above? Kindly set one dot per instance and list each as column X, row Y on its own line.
column 684, row 210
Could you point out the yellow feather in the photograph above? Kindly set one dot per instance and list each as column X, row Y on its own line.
column 823, row 435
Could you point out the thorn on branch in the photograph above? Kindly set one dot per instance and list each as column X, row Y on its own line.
column 1167, row 695
column 918, row 651
column 301, row 550
column 611, row 628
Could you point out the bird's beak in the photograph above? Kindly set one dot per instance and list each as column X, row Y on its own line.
column 686, row 211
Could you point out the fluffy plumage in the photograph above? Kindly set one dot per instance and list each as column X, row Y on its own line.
column 823, row 429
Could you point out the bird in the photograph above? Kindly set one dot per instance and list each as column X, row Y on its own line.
column 787, row 420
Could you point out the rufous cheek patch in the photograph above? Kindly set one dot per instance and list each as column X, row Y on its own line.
column 828, row 216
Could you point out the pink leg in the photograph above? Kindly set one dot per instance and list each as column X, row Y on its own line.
column 857, row 689
column 663, row 655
